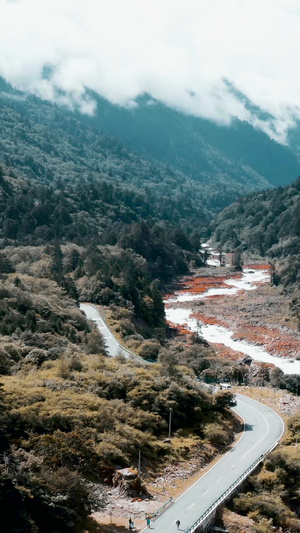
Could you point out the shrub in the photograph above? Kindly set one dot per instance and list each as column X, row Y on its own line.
column 125, row 327
column 149, row 350
column 266, row 505
column 5, row 362
column 216, row 435
column 224, row 399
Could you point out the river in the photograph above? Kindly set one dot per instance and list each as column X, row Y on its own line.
column 179, row 314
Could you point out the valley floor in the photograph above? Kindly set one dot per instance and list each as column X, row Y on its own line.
column 262, row 317
column 177, row 478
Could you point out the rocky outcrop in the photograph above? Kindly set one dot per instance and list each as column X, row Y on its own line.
column 129, row 483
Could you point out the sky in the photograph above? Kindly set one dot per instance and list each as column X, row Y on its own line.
column 182, row 52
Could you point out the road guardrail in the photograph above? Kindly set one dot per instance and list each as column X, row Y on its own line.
column 204, row 517
column 209, row 512
column 162, row 508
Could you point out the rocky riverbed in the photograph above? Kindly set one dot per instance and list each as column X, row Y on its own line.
column 238, row 318
column 262, row 317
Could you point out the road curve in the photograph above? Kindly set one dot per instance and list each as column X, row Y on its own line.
column 263, row 429
column 113, row 347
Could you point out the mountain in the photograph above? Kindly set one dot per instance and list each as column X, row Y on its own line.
column 200, row 148
column 82, row 217
column 49, row 145
column 200, row 166
column 85, row 218
column 267, row 223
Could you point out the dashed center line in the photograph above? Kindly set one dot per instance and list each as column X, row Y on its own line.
column 232, row 467
column 205, row 492
column 219, row 479
column 191, row 506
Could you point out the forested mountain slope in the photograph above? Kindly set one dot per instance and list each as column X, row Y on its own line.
column 120, row 254
column 67, row 183
column 49, row 145
column 200, row 171
column 198, row 147
column 267, row 223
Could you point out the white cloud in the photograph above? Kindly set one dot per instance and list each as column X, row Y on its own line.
column 180, row 51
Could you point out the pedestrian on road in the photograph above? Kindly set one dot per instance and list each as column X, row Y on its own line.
column 177, row 523
column 131, row 524
column 148, row 521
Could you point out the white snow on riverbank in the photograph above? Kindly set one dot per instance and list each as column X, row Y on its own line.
column 248, row 282
column 249, row 279
column 213, row 258
column 189, row 297
column 221, row 335
column 213, row 262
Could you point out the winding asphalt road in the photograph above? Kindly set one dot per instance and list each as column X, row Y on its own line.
column 262, row 430
column 113, row 347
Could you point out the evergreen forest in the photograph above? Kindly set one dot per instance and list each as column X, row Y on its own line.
column 111, row 209
column 268, row 224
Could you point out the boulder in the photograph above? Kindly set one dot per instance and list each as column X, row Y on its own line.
column 126, row 473
column 129, row 483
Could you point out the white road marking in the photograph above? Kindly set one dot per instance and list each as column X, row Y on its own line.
column 268, row 430
column 191, row 506
column 205, row 492
column 219, row 479
column 232, row 467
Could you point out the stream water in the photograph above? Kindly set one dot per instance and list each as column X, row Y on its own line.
column 214, row 334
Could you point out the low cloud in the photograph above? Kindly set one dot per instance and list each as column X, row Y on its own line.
column 181, row 52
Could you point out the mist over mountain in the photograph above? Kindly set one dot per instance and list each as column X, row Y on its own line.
column 150, row 145
column 131, row 132
column 197, row 57
column 198, row 147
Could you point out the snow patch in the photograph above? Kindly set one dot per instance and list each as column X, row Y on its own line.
column 248, row 282
column 220, row 335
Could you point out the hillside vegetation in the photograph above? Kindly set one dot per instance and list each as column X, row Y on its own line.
column 190, row 168
column 118, row 255
column 265, row 223
column 272, row 501
column 70, row 415
column 231, row 155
